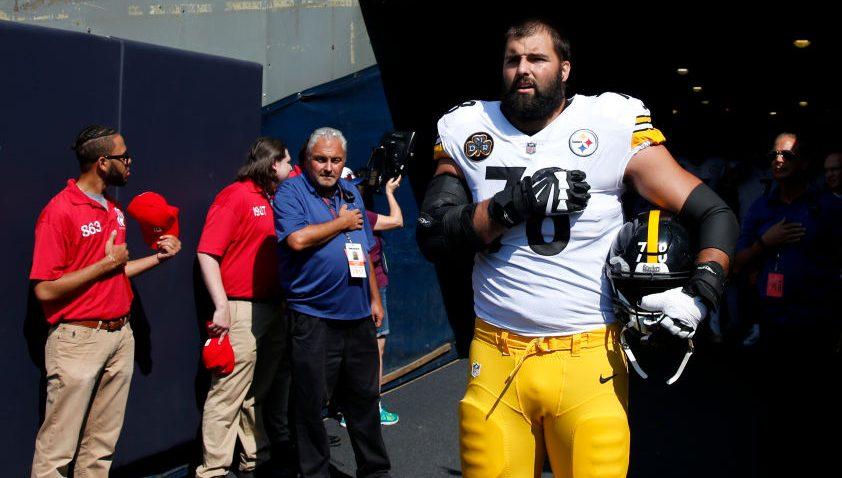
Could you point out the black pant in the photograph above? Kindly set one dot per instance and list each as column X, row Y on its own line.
column 799, row 397
column 336, row 359
column 276, row 412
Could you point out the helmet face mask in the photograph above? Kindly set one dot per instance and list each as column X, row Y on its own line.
column 652, row 253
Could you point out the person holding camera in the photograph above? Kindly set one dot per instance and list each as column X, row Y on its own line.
column 334, row 305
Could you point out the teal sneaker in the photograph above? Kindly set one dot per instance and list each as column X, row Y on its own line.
column 387, row 418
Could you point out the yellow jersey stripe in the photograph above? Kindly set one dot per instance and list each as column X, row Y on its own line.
column 643, row 119
column 653, row 136
column 439, row 152
column 652, row 236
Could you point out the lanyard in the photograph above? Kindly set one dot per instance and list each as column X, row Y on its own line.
column 332, row 212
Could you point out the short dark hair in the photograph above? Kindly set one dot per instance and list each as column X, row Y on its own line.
column 92, row 143
column 258, row 166
column 531, row 26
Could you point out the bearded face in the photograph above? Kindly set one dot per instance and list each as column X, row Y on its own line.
column 524, row 99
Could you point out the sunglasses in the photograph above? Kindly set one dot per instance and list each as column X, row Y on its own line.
column 787, row 154
column 125, row 157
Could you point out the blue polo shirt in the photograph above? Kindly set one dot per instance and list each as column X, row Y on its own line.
column 317, row 281
column 810, row 266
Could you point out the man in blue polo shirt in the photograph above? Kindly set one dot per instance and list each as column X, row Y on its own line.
column 790, row 241
column 325, row 270
column 790, row 238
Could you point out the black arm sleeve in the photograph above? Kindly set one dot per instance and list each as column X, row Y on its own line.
column 716, row 228
column 445, row 224
column 708, row 214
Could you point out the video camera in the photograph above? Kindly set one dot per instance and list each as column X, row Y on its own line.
column 388, row 160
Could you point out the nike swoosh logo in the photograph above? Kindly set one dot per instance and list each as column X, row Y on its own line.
column 605, row 380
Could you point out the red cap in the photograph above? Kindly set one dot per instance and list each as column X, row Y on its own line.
column 296, row 171
column 218, row 357
column 156, row 217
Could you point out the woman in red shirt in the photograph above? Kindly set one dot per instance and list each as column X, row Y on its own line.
column 237, row 256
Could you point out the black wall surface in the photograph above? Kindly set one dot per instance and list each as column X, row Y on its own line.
column 188, row 120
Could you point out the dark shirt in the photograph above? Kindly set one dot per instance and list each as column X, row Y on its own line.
column 810, row 267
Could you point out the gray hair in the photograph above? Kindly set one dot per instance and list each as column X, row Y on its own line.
column 326, row 133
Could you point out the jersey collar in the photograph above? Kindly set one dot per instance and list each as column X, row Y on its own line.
column 78, row 197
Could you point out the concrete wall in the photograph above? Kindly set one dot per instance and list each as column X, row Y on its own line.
column 300, row 43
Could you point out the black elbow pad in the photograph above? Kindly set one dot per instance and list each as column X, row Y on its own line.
column 445, row 224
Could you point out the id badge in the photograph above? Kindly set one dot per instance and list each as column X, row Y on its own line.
column 356, row 260
column 775, row 285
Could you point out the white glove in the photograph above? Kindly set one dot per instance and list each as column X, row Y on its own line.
column 682, row 312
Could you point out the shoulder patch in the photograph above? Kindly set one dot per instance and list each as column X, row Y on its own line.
column 478, row 146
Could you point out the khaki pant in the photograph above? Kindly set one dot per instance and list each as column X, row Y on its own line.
column 232, row 409
column 88, row 377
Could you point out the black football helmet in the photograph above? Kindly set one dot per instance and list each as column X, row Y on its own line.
column 652, row 253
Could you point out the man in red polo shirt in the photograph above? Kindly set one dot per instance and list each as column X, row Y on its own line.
column 81, row 271
column 237, row 255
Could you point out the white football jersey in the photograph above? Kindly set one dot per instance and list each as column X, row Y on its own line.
column 545, row 277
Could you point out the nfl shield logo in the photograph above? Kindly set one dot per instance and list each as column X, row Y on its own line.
column 475, row 368
column 530, row 148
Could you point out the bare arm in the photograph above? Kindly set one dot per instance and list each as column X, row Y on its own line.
column 486, row 229
column 212, row 276
column 658, row 178
column 115, row 258
column 71, row 282
column 139, row 266
column 747, row 257
column 779, row 234
column 374, row 295
column 395, row 218
column 169, row 247
column 318, row 234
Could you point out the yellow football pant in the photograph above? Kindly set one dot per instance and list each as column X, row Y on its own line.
column 559, row 397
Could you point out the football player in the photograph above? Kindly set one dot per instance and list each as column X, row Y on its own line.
column 531, row 185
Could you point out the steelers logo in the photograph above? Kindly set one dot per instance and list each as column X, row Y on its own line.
column 583, row 143
column 121, row 220
column 479, row 146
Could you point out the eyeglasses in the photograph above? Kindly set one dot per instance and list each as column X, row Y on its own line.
column 126, row 158
column 787, row 154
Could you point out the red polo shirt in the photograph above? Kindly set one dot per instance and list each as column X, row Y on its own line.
column 70, row 234
column 240, row 229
